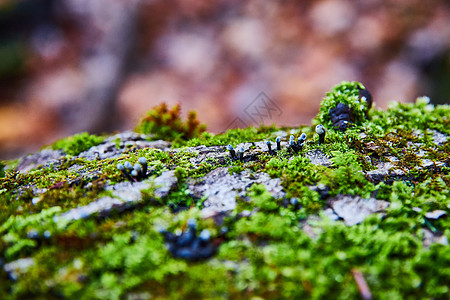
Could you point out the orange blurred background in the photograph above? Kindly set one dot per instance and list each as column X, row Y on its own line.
column 68, row 66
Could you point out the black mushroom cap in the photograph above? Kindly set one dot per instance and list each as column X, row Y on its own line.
column 365, row 93
column 341, row 115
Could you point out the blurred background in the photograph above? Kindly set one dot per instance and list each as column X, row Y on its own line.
column 68, row 66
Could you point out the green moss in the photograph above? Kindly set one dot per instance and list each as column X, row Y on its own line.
column 77, row 143
column 345, row 93
column 262, row 198
column 293, row 266
column 420, row 115
column 15, row 230
column 181, row 199
column 277, row 252
column 233, row 136
column 296, row 174
column 347, row 176
column 2, row 171
column 235, row 169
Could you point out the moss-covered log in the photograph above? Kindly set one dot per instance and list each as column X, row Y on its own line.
column 363, row 214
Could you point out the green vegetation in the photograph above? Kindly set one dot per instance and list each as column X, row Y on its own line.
column 296, row 174
column 272, row 251
column 345, row 93
column 164, row 123
column 261, row 198
column 233, row 136
column 77, row 143
column 15, row 229
column 2, row 171
column 292, row 265
column 347, row 177
column 403, row 116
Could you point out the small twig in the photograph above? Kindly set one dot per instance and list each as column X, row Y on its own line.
column 362, row 284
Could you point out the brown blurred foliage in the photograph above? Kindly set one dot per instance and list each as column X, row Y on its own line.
column 68, row 66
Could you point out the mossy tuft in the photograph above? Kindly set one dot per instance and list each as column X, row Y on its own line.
column 346, row 93
column 77, row 143
column 166, row 123
column 419, row 115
